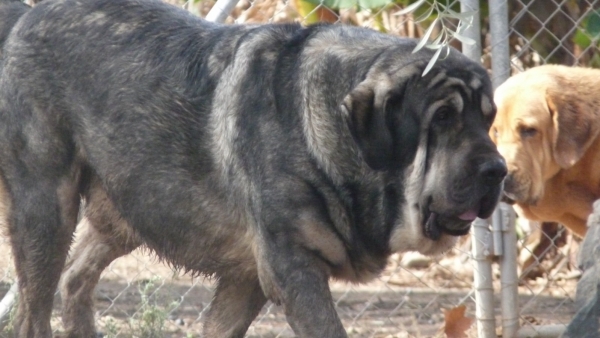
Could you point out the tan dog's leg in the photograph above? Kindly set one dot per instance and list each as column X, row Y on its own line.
column 577, row 225
column 538, row 245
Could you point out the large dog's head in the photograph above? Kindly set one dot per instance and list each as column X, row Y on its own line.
column 546, row 121
column 430, row 135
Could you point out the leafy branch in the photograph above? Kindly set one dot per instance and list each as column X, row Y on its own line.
column 444, row 16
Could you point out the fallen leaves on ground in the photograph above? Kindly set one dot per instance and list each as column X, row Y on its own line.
column 456, row 323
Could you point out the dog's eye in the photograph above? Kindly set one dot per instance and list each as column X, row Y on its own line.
column 527, row 132
column 443, row 115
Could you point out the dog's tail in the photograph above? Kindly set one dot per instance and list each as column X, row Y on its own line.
column 10, row 12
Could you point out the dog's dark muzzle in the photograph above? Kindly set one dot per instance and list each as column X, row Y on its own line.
column 437, row 224
column 489, row 187
column 492, row 172
column 491, row 175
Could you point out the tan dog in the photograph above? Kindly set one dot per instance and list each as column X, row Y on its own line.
column 547, row 130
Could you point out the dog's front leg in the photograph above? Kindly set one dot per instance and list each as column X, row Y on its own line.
column 297, row 278
column 237, row 301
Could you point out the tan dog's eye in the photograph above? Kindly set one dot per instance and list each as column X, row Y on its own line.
column 527, row 132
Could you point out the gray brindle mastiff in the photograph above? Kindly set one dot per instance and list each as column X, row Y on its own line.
column 271, row 157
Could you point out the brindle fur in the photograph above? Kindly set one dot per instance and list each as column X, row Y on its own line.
column 271, row 157
column 10, row 12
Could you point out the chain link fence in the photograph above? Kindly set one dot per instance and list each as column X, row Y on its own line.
column 548, row 32
column 416, row 296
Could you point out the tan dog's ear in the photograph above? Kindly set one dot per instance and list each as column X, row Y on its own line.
column 575, row 125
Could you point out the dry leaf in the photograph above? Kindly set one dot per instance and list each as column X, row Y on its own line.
column 455, row 322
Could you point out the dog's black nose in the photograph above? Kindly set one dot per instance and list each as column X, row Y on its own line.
column 493, row 171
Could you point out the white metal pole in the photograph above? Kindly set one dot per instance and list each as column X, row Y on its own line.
column 7, row 304
column 499, row 31
column 546, row 331
column 220, row 11
column 497, row 233
column 509, row 278
column 473, row 51
column 481, row 236
column 484, row 288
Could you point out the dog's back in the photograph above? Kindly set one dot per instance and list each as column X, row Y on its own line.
column 10, row 12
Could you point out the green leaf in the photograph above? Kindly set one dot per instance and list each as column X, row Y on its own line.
column 425, row 37
column 343, row 4
column 590, row 31
column 436, row 43
column 593, row 25
column 432, row 61
column 334, row 4
column 582, row 39
column 463, row 16
column 410, row 8
column 463, row 39
column 372, row 4
column 462, row 26
column 424, row 16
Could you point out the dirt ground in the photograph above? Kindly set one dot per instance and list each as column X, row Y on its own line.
column 140, row 297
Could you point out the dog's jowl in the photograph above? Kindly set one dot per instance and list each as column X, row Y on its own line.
column 271, row 157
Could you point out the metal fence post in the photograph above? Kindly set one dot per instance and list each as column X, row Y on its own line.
column 482, row 276
column 484, row 291
column 509, row 279
column 504, row 215
column 7, row 304
column 473, row 51
column 220, row 11
column 500, row 47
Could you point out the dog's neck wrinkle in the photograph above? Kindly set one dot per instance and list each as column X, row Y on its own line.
column 367, row 247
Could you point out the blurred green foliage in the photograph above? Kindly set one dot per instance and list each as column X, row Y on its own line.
column 588, row 36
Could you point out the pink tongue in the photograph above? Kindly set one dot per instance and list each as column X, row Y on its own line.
column 468, row 216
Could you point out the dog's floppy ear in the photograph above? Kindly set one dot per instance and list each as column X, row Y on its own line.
column 575, row 125
column 368, row 121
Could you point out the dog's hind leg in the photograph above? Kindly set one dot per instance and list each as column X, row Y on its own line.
column 236, row 303
column 106, row 237
column 41, row 169
column 42, row 218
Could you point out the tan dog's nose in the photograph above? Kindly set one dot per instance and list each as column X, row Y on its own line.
column 493, row 171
